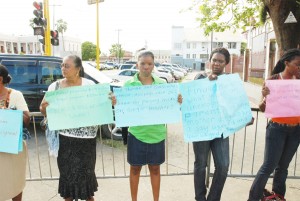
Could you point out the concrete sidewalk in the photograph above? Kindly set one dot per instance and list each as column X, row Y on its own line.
column 173, row 188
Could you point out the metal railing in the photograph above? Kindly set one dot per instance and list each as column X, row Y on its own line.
column 246, row 154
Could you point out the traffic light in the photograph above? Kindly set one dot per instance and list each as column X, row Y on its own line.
column 54, row 38
column 38, row 12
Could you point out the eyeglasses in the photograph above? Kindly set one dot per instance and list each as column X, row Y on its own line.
column 66, row 66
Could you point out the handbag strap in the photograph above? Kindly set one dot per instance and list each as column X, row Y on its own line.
column 57, row 84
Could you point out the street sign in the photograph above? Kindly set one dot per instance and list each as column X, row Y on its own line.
column 291, row 18
column 94, row 1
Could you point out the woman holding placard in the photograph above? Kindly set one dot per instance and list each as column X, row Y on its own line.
column 282, row 136
column 13, row 166
column 77, row 147
column 146, row 144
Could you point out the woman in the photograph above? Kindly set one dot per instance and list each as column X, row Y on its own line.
column 282, row 136
column 13, row 166
column 219, row 147
column 77, row 153
column 146, row 144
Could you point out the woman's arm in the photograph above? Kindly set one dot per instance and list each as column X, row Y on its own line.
column 26, row 118
column 265, row 91
column 43, row 107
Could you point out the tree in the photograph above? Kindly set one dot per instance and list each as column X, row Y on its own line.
column 61, row 28
column 218, row 15
column 117, row 51
column 31, row 23
column 88, row 51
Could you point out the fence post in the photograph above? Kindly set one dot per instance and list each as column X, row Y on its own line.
column 246, row 65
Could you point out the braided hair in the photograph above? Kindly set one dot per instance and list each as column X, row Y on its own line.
column 289, row 55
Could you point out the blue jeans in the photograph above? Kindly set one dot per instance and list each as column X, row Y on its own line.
column 220, row 151
column 281, row 145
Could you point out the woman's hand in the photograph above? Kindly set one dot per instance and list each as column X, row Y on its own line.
column 43, row 106
column 113, row 99
column 212, row 77
column 265, row 91
column 179, row 99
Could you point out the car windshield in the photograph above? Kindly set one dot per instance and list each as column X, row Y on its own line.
column 126, row 66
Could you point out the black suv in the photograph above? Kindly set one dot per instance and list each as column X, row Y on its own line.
column 32, row 75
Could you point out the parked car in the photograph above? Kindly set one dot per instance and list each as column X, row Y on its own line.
column 109, row 66
column 126, row 66
column 130, row 62
column 168, row 77
column 177, row 74
column 94, row 64
column 33, row 74
column 127, row 74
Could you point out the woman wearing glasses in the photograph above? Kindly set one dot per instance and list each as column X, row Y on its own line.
column 77, row 147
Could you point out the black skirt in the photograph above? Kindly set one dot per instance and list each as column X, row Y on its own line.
column 76, row 163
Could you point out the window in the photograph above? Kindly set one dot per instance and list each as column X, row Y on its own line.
column 231, row 45
column 217, row 44
column 22, row 72
column 194, row 56
column 194, row 45
column 50, row 72
column 128, row 73
column 203, row 56
column 126, row 66
column 188, row 56
column 188, row 45
column 177, row 46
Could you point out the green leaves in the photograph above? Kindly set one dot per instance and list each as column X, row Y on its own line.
column 219, row 15
column 117, row 51
column 88, row 51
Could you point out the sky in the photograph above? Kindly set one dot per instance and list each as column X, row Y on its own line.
column 140, row 21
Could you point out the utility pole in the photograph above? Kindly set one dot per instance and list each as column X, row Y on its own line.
column 47, row 31
column 119, row 48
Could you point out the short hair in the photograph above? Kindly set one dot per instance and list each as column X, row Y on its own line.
column 146, row 53
column 4, row 74
column 289, row 55
column 78, row 63
column 223, row 51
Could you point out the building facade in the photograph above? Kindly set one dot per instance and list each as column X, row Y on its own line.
column 10, row 44
column 190, row 47
column 263, row 50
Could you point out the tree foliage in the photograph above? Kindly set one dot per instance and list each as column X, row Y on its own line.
column 117, row 51
column 88, row 51
column 62, row 27
column 219, row 15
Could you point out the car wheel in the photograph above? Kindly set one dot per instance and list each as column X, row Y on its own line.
column 111, row 131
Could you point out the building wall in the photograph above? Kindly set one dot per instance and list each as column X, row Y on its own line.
column 31, row 45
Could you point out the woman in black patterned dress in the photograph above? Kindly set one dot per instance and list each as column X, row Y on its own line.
column 77, row 147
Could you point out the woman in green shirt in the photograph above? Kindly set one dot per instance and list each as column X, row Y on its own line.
column 146, row 144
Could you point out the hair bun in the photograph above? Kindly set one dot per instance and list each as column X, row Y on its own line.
column 7, row 79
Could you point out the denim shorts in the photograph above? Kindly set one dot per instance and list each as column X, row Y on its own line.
column 140, row 153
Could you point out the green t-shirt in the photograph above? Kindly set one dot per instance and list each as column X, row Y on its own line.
column 151, row 133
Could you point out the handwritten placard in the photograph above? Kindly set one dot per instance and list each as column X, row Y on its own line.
column 214, row 108
column 147, row 105
column 11, row 131
column 284, row 98
column 80, row 106
column 200, row 111
column 233, row 102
